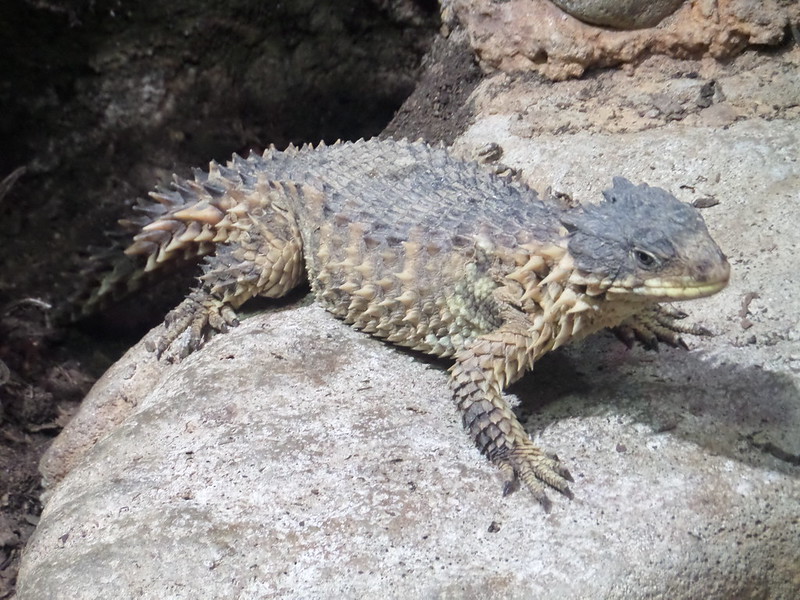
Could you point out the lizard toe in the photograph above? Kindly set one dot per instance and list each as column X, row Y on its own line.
column 194, row 318
column 528, row 465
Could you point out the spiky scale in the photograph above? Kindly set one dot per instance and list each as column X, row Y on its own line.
column 416, row 247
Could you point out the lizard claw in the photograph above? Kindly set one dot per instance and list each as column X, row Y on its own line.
column 657, row 324
column 529, row 465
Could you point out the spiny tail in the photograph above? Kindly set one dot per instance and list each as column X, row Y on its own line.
column 180, row 226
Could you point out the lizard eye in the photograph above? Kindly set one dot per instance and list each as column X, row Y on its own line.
column 645, row 260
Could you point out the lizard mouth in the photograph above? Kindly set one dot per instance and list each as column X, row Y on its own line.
column 688, row 287
column 666, row 289
column 679, row 290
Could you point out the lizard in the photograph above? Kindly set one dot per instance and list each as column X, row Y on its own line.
column 405, row 242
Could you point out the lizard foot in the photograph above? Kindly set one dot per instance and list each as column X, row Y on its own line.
column 528, row 464
column 198, row 314
column 657, row 324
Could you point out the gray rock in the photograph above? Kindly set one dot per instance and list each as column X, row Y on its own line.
column 620, row 14
column 294, row 457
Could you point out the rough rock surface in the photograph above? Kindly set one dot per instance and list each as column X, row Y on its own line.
column 620, row 14
column 535, row 35
column 660, row 90
column 295, row 457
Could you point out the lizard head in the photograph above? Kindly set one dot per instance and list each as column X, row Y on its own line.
column 642, row 242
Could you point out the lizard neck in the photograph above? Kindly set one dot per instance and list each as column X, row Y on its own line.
column 561, row 304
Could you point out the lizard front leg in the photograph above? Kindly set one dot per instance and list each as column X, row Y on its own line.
column 482, row 370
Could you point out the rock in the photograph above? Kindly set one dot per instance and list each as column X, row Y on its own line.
column 295, row 457
column 620, row 14
column 112, row 399
column 535, row 35
column 626, row 101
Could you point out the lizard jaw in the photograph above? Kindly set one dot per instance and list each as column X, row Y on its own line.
column 671, row 291
column 665, row 290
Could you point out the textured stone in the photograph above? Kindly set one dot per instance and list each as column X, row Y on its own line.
column 620, row 14
column 336, row 467
column 535, row 35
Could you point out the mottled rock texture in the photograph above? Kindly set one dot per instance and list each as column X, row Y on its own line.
column 535, row 35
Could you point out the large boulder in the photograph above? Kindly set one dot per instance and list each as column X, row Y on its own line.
column 295, row 457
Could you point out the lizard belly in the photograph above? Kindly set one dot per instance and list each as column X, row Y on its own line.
column 411, row 293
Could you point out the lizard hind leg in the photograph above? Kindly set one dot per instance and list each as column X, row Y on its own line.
column 261, row 258
column 199, row 312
